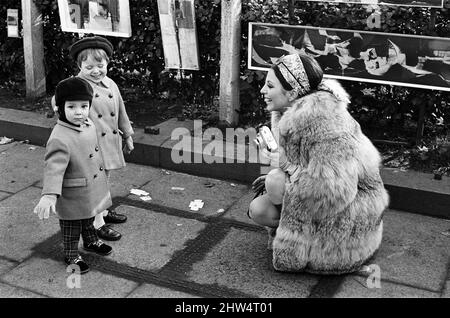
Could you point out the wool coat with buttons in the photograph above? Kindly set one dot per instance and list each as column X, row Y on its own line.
column 111, row 120
column 74, row 171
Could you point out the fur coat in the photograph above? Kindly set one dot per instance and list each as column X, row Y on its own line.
column 331, row 220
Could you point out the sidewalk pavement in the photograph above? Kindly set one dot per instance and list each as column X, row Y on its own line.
column 167, row 250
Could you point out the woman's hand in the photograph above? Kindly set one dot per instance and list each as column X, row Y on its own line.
column 129, row 146
column 277, row 158
column 259, row 184
column 46, row 204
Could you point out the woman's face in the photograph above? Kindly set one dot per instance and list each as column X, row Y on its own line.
column 275, row 96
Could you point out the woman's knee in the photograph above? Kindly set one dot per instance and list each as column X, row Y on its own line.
column 263, row 212
column 256, row 209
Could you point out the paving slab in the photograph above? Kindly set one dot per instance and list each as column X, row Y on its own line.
column 241, row 261
column 8, row 291
column 357, row 287
column 446, row 292
column 20, row 228
column 6, row 265
column 153, row 291
column 150, row 239
column 413, row 250
column 130, row 177
column 238, row 211
column 4, row 195
column 49, row 277
column 5, row 147
column 19, row 174
column 216, row 194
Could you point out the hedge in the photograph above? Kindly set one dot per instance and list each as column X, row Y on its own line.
column 138, row 63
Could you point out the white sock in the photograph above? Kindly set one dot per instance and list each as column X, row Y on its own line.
column 98, row 220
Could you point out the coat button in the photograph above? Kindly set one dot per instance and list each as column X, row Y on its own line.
column 91, row 155
column 97, row 95
column 110, row 96
column 114, row 132
column 103, row 133
column 96, row 148
column 95, row 176
column 101, row 168
column 100, row 115
column 112, row 114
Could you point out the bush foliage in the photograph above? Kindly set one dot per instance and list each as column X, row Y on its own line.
column 385, row 112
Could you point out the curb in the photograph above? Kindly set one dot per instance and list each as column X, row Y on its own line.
column 409, row 191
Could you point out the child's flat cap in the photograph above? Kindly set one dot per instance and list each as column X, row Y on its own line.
column 92, row 42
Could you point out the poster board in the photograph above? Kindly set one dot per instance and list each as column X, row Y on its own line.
column 179, row 34
column 103, row 17
column 405, row 3
column 374, row 57
column 12, row 23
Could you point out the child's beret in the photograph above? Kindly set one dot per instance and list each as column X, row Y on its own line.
column 92, row 42
column 73, row 88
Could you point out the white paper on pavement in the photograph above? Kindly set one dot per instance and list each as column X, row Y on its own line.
column 138, row 192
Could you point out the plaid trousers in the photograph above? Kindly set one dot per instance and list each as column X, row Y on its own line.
column 71, row 230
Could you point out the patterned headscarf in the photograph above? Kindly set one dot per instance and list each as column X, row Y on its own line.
column 293, row 72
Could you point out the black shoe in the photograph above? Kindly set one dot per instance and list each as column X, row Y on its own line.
column 114, row 217
column 98, row 247
column 108, row 233
column 78, row 261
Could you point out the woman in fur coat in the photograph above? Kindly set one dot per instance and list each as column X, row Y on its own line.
column 325, row 200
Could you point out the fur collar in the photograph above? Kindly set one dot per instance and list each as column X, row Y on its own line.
column 318, row 114
column 335, row 88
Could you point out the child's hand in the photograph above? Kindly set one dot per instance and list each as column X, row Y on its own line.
column 45, row 205
column 128, row 145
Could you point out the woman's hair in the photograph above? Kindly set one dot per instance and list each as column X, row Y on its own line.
column 97, row 54
column 311, row 67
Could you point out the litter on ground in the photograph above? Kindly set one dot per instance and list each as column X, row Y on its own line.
column 5, row 140
column 196, row 205
column 138, row 192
